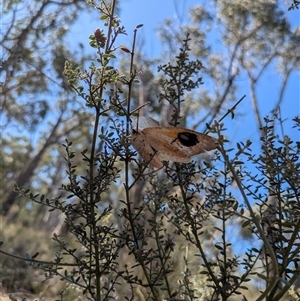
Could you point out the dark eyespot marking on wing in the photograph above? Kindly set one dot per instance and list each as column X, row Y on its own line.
column 188, row 139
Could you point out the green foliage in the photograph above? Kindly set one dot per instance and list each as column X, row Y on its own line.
column 212, row 229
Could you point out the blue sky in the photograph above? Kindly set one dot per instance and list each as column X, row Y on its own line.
column 152, row 13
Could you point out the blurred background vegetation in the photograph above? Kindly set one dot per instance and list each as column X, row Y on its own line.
column 39, row 110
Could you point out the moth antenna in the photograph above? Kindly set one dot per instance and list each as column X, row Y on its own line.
column 140, row 107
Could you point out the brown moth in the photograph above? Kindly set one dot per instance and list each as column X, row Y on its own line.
column 155, row 143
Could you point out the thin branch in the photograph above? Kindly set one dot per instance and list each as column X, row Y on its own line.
column 273, row 281
column 25, row 259
column 284, row 85
column 255, row 103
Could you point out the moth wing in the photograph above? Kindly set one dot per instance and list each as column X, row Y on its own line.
column 156, row 144
column 161, row 140
column 179, row 142
column 142, row 122
column 145, row 150
column 194, row 143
